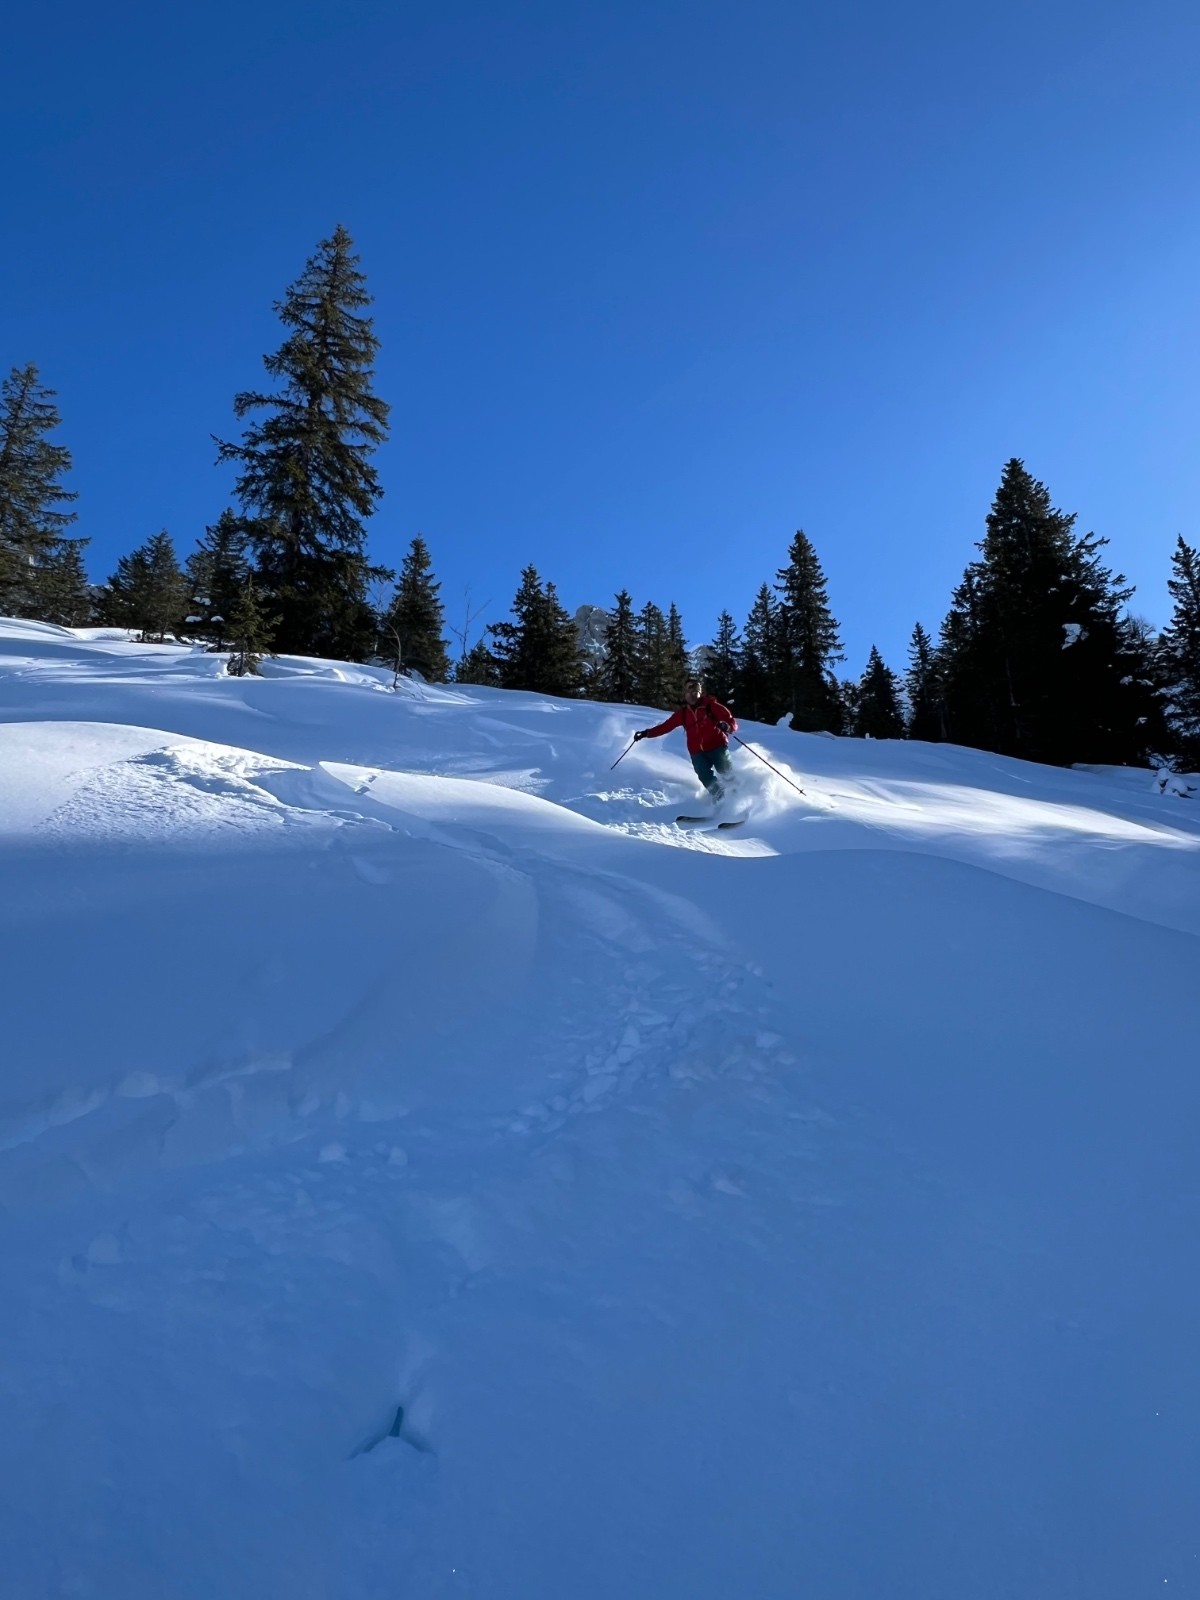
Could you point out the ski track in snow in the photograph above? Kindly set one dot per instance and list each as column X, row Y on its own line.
column 424, row 1170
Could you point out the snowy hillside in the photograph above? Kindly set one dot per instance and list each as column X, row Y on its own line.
column 426, row 1171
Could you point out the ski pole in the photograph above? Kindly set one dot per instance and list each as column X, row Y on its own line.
column 766, row 763
column 623, row 754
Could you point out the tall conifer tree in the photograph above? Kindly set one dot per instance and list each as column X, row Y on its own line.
column 1180, row 654
column 540, row 649
column 922, row 685
column 566, row 669
column 515, row 645
column 878, row 714
column 678, row 664
column 216, row 574
column 64, row 592
column 617, row 677
column 148, row 591
column 722, row 660
column 416, row 616
column 808, row 644
column 848, row 692
column 307, row 481
column 32, row 495
column 758, row 676
column 1039, row 661
column 653, row 658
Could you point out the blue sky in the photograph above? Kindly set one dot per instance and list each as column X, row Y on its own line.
column 657, row 283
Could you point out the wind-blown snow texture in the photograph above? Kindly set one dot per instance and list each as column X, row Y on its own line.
column 427, row 1172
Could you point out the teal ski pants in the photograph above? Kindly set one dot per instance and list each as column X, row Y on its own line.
column 711, row 767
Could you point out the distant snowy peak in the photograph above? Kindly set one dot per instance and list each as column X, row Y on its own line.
column 591, row 624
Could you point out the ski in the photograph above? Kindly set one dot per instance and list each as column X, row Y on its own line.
column 685, row 822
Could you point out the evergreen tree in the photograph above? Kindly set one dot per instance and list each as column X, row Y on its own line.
column 478, row 666
column 216, row 574
column 963, row 680
column 878, row 714
column 250, row 632
column 1179, row 653
column 540, row 650
column 31, row 491
column 514, row 645
column 416, row 618
column 166, row 594
column 565, row 671
column 722, row 660
column 119, row 602
column 653, row 674
column 848, row 691
column 923, row 688
column 64, row 593
column 679, row 656
column 148, row 591
column 1038, row 660
column 808, row 645
column 307, row 482
column 679, row 664
column 617, row 678
column 757, row 694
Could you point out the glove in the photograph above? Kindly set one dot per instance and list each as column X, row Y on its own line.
column 640, row 734
column 724, row 727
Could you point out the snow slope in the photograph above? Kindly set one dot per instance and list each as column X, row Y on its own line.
column 425, row 1171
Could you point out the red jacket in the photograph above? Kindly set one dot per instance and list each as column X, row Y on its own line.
column 699, row 723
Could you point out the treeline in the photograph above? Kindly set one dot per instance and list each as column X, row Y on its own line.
column 1038, row 655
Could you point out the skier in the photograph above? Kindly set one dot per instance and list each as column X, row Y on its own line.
column 707, row 724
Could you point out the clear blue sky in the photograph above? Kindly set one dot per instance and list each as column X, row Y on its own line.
column 657, row 282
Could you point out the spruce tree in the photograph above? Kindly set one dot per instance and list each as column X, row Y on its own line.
column 119, row 602
column 808, row 645
column 307, row 482
column 653, row 674
column 64, row 592
column 1038, row 660
column 923, row 688
column 566, row 669
column 758, row 672
column 31, row 490
column 847, row 692
column 216, row 575
column 478, row 666
column 722, row 660
column 617, row 678
column 519, row 646
column 540, row 649
column 148, row 591
column 878, row 714
column 964, row 681
column 415, row 617
column 678, row 664
column 1179, row 652
column 250, row 632
column 512, row 642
